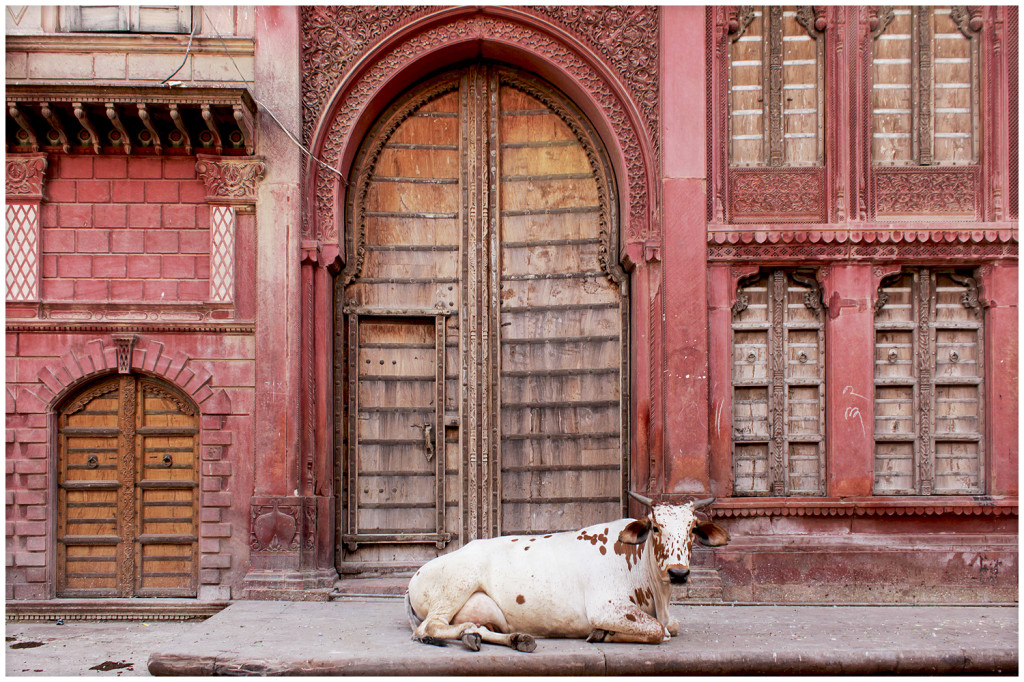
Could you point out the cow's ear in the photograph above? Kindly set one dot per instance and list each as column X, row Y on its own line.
column 636, row 531
column 711, row 534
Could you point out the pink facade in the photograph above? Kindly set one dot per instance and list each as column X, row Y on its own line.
column 213, row 271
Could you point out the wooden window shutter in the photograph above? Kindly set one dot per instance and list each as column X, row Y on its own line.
column 127, row 18
column 776, row 89
column 929, row 385
column 925, row 80
column 778, row 386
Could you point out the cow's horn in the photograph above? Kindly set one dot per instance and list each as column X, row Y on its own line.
column 640, row 498
column 700, row 504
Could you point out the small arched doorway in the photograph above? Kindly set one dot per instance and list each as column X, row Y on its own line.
column 127, row 491
column 483, row 320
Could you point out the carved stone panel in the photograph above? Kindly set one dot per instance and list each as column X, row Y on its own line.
column 927, row 193
column 760, row 195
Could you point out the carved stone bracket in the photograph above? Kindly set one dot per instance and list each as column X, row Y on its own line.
column 25, row 175
column 230, row 180
column 741, row 275
column 880, row 274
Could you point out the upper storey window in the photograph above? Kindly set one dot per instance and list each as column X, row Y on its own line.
column 127, row 19
column 776, row 93
column 924, row 87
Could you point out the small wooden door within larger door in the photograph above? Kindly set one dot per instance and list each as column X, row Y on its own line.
column 483, row 320
column 127, row 492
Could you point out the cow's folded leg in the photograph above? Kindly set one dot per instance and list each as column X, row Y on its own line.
column 437, row 630
column 628, row 626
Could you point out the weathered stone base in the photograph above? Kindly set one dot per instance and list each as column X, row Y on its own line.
column 289, row 585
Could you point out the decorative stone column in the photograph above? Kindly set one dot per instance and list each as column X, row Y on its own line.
column 25, row 175
column 230, row 190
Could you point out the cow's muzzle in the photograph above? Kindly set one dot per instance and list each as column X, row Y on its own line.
column 678, row 575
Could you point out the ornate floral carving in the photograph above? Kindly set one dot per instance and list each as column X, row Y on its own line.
column 332, row 37
column 275, row 527
column 25, row 175
column 230, row 180
column 481, row 27
column 628, row 37
column 758, row 195
column 927, row 191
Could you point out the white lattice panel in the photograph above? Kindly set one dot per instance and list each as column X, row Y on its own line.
column 222, row 254
column 22, row 252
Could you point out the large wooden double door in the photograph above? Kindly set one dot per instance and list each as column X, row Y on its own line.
column 127, row 491
column 482, row 334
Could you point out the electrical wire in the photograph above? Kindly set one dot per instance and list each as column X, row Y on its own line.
column 263, row 107
column 188, row 50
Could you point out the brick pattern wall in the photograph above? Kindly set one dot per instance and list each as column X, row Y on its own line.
column 217, row 371
column 125, row 229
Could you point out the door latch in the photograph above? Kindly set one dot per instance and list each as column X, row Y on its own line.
column 428, row 441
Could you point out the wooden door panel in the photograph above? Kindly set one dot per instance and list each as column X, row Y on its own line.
column 561, row 325
column 477, row 199
column 117, row 492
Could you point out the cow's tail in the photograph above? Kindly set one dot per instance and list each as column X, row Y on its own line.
column 414, row 620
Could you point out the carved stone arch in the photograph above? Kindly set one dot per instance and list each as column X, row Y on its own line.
column 388, row 123
column 79, row 366
column 514, row 36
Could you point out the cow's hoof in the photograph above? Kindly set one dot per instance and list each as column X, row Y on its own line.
column 523, row 642
column 598, row 635
column 472, row 641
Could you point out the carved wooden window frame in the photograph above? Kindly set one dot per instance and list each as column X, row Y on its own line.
column 920, row 189
column 773, row 192
column 777, row 381
column 924, row 380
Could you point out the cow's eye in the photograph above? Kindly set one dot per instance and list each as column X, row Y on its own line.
column 656, row 529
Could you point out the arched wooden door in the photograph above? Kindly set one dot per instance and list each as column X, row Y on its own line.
column 482, row 324
column 127, row 491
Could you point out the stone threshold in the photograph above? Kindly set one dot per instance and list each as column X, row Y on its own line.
column 111, row 609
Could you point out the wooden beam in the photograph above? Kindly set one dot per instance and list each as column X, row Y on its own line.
column 148, row 122
column 116, row 120
column 176, row 117
column 244, row 119
column 83, row 118
column 20, row 119
column 51, row 118
column 218, row 146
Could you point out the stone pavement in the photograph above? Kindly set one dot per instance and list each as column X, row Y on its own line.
column 371, row 637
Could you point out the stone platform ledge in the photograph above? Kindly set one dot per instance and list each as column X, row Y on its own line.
column 372, row 637
column 111, row 609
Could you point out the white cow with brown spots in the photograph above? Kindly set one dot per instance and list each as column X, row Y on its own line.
column 608, row 582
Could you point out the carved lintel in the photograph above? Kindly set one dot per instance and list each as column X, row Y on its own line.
column 54, row 121
column 230, row 180
column 25, row 175
column 147, row 120
column 311, row 251
column 211, row 124
column 83, row 118
column 119, row 126
column 125, row 345
column 176, row 117
column 19, row 118
column 244, row 119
